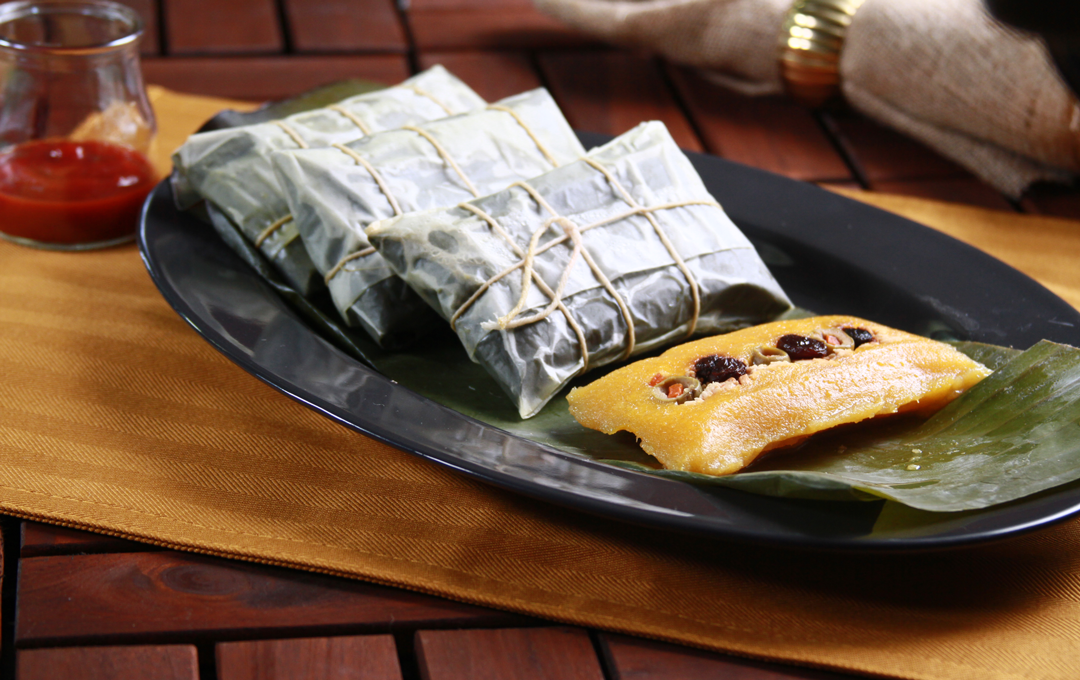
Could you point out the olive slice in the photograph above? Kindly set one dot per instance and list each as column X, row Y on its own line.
column 835, row 338
column 769, row 355
column 860, row 336
column 690, row 389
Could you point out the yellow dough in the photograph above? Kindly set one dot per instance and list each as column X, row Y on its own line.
column 689, row 423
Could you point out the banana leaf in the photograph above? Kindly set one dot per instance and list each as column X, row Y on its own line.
column 312, row 99
column 1015, row 434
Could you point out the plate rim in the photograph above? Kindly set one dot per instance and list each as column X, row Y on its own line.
column 589, row 504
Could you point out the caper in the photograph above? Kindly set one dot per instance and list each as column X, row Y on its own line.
column 769, row 355
column 690, row 389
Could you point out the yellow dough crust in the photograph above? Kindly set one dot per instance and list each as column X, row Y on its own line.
column 732, row 423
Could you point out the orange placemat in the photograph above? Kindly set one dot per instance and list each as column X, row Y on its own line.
column 116, row 417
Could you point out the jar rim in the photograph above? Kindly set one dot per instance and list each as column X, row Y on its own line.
column 129, row 20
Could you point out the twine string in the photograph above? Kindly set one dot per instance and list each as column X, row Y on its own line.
column 662, row 235
column 345, row 260
column 425, row 93
column 274, row 226
column 572, row 232
column 447, row 158
column 292, row 133
column 394, row 205
column 540, row 283
column 532, row 135
column 353, row 118
column 445, row 155
column 375, row 175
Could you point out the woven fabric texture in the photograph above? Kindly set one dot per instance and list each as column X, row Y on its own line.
column 116, row 417
column 944, row 72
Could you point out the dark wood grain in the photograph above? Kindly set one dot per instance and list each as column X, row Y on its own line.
column 266, row 78
column 45, row 539
column 256, row 622
column 771, row 133
column 493, row 74
column 487, row 24
column 164, row 596
column 543, row 653
column 883, row 155
column 345, row 25
column 611, row 92
column 172, row 662
column 1052, row 199
column 365, row 657
column 148, row 12
column 966, row 190
column 634, row 659
column 223, row 27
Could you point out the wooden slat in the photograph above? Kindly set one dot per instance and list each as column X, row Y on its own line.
column 173, row 662
column 345, row 25
column 160, row 596
column 968, row 190
column 633, row 659
column 849, row 184
column 611, row 92
column 486, row 24
column 266, row 78
column 367, row 657
column 885, row 155
column 494, row 75
column 148, row 12
column 1055, row 200
column 45, row 539
column 548, row 653
column 223, row 27
column 771, row 133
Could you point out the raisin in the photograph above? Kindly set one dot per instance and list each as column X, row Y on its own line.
column 718, row 368
column 860, row 336
column 800, row 347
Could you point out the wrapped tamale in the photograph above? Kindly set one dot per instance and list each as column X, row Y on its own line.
column 334, row 192
column 617, row 253
column 231, row 168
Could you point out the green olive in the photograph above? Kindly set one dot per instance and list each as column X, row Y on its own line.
column 691, row 389
column 769, row 355
column 835, row 338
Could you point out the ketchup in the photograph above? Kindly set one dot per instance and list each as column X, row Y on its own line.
column 64, row 192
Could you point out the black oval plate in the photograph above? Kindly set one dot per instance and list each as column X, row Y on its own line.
column 831, row 254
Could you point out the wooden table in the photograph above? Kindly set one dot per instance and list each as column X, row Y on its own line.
column 77, row 605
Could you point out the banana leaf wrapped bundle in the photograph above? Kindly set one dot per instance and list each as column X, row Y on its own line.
column 609, row 256
column 334, row 192
column 231, row 168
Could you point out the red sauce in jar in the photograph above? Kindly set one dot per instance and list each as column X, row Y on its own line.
column 63, row 192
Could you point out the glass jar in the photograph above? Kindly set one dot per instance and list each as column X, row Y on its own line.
column 75, row 124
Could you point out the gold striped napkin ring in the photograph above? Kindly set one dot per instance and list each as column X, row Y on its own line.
column 810, row 45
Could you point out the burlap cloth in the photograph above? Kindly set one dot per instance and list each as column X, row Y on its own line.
column 116, row 417
column 943, row 71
